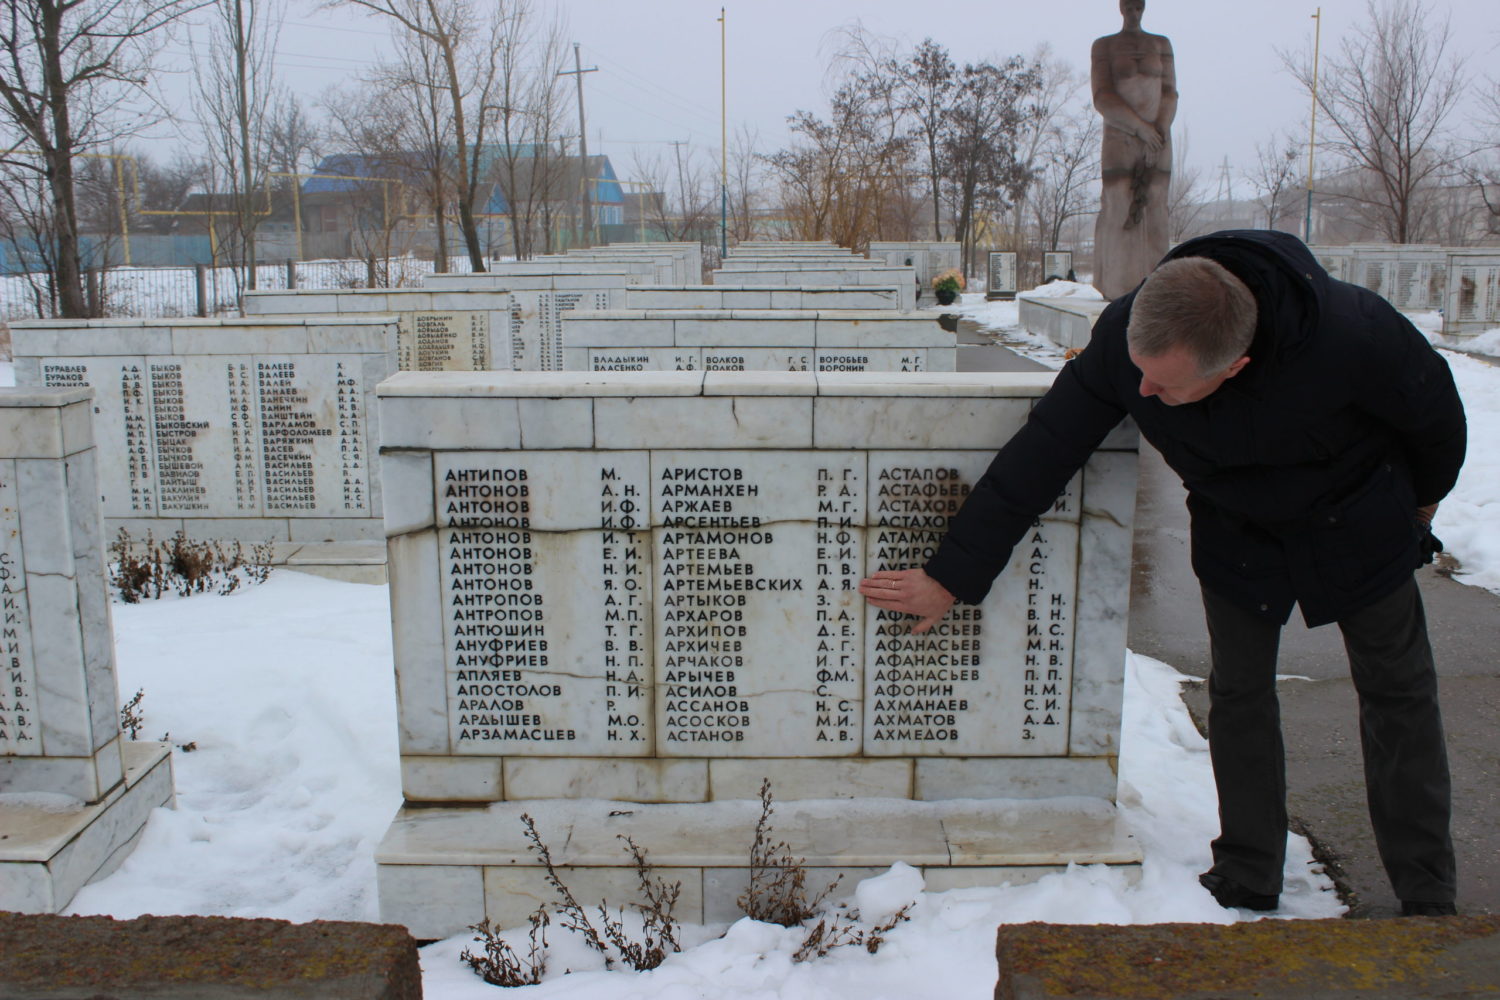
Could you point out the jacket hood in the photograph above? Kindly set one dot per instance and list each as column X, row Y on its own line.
column 1288, row 311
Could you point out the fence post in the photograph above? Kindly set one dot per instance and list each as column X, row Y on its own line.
column 291, row 275
column 200, row 281
column 370, row 272
column 91, row 291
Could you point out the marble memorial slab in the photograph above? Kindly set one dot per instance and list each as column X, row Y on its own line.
column 833, row 340
column 1000, row 275
column 249, row 427
column 679, row 583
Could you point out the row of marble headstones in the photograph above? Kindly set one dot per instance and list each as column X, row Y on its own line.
column 777, row 307
column 264, row 428
column 1462, row 282
column 74, row 793
column 642, row 588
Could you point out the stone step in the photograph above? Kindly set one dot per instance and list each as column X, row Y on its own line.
column 1420, row 958
column 441, row 869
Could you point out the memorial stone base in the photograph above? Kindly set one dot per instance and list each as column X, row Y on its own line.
column 48, row 854
column 441, row 870
column 622, row 601
column 74, row 794
column 1068, row 323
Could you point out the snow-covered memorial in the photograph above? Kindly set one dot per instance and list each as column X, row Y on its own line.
column 620, row 602
column 74, row 794
column 258, row 429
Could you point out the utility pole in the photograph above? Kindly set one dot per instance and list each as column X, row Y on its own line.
column 723, row 136
column 586, row 220
column 1312, row 127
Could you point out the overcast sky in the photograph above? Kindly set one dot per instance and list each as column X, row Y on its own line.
column 659, row 60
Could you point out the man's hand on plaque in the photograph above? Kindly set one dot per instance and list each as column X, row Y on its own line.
column 910, row 591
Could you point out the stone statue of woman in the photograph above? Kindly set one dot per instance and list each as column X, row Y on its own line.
column 1135, row 90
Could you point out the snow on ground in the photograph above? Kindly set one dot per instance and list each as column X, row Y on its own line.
column 287, row 691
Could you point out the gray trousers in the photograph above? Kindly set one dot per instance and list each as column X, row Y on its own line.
column 1401, row 734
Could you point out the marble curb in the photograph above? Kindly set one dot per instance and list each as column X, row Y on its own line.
column 46, row 857
column 1424, row 957
column 824, row 832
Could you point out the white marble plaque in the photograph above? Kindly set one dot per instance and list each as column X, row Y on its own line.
column 443, row 341
column 643, row 359
column 227, row 436
column 123, row 428
column 1056, row 264
column 742, row 359
column 757, row 556
column 1477, row 294
column 991, row 679
column 876, row 359
column 546, row 594
column 1002, row 274
column 19, row 734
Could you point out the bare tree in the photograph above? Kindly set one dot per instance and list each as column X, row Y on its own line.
column 235, row 94
column 688, row 198
column 291, row 137
column 841, row 177
column 927, row 79
column 1484, row 170
column 982, row 172
column 65, row 68
column 744, row 179
column 1046, row 133
column 1067, row 175
column 1388, row 94
column 527, row 108
column 1274, row 176
column 1185, row 195
column 384, row 130
column 463, row 42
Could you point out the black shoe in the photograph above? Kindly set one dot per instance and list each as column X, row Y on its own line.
column 1231, row 895
column 1418, row 908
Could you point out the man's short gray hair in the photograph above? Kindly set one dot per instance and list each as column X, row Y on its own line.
column 1193, row 302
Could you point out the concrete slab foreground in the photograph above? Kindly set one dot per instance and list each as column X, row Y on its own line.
column 1422, row 958
column 47, row 957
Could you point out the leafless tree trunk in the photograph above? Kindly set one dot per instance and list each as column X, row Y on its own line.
column 840, row 177
column 983, row 175
column 927, row 81
column 463, row 45
column 528, row 108
column 1067, row 180
column 1044, row 134
column 1274, row 175
column 236, row 93
column 1388, row 94
column 743, row 184
column 1184, row 196
column 65, row 66
column 687, row 198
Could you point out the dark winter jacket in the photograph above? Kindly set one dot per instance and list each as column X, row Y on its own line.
column 1303, row 472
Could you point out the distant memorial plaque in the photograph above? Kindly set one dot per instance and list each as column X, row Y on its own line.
column 1001, row 282
column 1473, row 303
column 1057, row 265
column 248, row 425
column 443, row 341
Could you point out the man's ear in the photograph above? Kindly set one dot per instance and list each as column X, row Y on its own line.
column 1237, row 367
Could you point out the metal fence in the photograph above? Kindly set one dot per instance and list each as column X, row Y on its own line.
column 161, row 292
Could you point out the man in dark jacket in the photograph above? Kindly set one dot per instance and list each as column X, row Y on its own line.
column 1316, row 431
